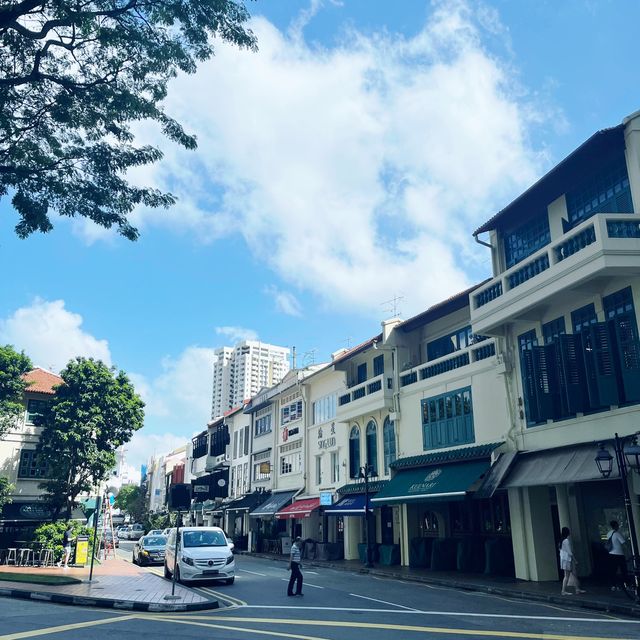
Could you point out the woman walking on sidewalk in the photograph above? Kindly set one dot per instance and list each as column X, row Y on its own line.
column 568, row 564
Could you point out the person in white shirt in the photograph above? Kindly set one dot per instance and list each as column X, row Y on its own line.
column 568, row 564
column 295, row 565
column 617, row 556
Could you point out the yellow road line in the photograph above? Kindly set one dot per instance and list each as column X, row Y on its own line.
column 65, row 627
column 400, row 627
column 223, row 596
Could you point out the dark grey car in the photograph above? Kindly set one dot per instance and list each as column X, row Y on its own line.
column 149, row 550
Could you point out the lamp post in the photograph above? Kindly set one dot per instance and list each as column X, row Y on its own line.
column 627, row 453
column 366, row 472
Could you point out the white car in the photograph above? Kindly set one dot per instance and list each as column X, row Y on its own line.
column 132, row 532
column 204, row 553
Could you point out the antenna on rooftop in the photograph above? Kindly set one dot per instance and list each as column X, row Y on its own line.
column 393, row 306
column 348, row 342
column 309, row 358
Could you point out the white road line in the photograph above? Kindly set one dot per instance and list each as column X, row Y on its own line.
column 315, row 573
column 255, row 573
column 448, row 613
column 306, row 584
column 393, row 604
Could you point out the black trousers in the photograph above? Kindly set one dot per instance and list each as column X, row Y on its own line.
column 296, row 578
column 617, row 564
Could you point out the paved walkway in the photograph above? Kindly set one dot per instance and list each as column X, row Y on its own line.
column 598, row 597
column 115, row 584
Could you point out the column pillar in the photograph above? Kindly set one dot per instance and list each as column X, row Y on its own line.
column 352, row 530
column 632, row 144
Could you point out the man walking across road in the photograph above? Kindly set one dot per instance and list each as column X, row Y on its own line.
column 295, row 566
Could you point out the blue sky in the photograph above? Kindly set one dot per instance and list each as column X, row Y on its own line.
column 345, row 163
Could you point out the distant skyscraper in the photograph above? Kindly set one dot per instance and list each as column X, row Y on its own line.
column 240, row 372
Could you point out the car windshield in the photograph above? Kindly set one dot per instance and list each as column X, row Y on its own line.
column 204, row 539
column 154, row 541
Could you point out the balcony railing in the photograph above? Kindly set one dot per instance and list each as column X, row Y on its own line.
column 368, row 388
column 591, row 231
column 456, row 360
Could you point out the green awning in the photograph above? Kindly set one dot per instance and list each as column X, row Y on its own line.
column 437, row 482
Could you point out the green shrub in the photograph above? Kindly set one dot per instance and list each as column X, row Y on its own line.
column 52, row 533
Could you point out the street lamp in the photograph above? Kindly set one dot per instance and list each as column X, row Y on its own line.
column 367, row 472
column 627, row 453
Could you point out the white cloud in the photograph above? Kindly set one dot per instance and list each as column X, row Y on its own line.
column 285, row 302
column 51, row 335
column 355, row 171
column 144, row 446
column 237, row 334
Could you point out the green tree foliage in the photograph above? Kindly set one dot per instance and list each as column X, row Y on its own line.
column 94, row 412
column 131, row 500
column 73, row 77
column 13, row 366
column 5, row 491
column 51, row 535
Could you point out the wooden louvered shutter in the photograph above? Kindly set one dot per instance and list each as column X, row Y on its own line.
column 529, row 386
column 546, row 382
column 573, row 381
column 626, row 335
column 600, row 365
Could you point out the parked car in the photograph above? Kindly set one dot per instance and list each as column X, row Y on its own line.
column 122, row 532
column 149, row 550
column 156, row 532
column 203, row 554
column 133, row 532
column 108, row 539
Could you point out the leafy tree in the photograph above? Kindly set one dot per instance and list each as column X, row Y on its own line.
column 94, row 412
column 5, row 491
column 74, row 76
column 131, row 500
column 13, row 366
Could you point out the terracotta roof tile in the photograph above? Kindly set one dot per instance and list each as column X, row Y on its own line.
column 41, row 381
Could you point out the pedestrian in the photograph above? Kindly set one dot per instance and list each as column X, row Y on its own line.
column 617, row 559
column 295, row 566
column 67, row 538
column 568, row 564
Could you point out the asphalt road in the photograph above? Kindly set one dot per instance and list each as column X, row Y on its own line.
column 336, row 605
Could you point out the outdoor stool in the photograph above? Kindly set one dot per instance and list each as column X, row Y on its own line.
column 25, row 557
column 3, row 556
column 12, row 556
column 45, row 557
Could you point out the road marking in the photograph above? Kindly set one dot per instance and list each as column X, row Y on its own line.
column 223, row 596
column 255, row 573
column 65, row 627
column 315, row 573
column 466, row 614
column 393, row 604
column 297, row 636
column 542, row 635
column 306, row 584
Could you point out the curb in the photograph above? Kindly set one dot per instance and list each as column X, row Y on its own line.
column 106, row 603
column 592, row 605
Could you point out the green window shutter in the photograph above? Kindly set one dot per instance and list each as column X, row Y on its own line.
column 573, row 381
column 529, row 386
column 626, row 334
column 545, row 380
column 600, row 365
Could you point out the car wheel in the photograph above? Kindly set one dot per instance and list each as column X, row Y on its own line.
column 229, row 580
column 167, row 573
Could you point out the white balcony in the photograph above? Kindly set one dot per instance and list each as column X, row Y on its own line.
column 424, row 375
column 606, row 245
column 372, row 395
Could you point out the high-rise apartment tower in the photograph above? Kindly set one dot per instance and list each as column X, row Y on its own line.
column 240, row 372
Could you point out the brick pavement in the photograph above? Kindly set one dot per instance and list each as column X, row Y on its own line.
column 115, row 583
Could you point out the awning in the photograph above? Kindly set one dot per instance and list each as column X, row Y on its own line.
column 352, row 505
column 556, row 466
column 250, row 501
column 299, row 509
column 273, row 504
column 443, row 482
column 494, row 477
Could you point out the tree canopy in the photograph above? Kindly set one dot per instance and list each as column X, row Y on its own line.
column 13, row 365
column 74, row 76
column 130, row 499
column 94, row 412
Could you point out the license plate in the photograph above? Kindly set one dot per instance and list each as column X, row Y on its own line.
column 210, row 572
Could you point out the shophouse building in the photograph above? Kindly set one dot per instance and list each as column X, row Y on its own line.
column 562, row 306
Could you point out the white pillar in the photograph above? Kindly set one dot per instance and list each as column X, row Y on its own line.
column 632, row 143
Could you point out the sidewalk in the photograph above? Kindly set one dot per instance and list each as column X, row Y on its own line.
column 598, row 597
column 116, row 584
